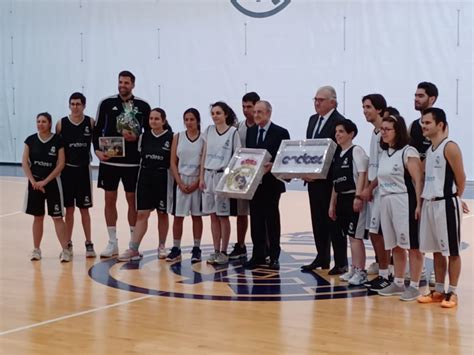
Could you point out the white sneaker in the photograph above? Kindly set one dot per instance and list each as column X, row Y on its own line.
column 212, row 258
column 162, row 253
column 36, row 254
column 222, row 259
column 130, row 255
column 373, row 269
column 65, row 256
column 359, row 278
column 110, row 250
column 347, row 276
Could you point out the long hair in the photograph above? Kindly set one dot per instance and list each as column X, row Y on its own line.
column 196, row 114
column 401, row 133
column 166, row 125
column 231, row 117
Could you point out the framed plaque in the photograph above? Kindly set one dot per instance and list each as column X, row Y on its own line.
column 114, row 147
column 307, row 158
column 243, row 174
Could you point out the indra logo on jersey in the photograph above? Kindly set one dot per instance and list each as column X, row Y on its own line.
column 260, row 8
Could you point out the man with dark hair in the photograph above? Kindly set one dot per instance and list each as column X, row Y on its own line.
column 76, row 132
column 122, row 115
column 425, row 97
column 242, row 209
column 323, row 125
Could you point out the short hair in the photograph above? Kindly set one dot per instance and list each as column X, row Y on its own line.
column 401, row 132
column 162, row 113
column 196, row 114
column 377, row 100
column 332, row 91
column 349, row 126
column 78, row 96
column 251, row 96
column 438, row 115
column 430, row 88
column 127, row 74
column 268, row 106
column 45, row 114
column 231, row 118
column 391, row 111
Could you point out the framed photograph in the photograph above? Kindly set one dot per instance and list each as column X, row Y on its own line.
column 114, row 147
column 307, row 158
column 243, row 174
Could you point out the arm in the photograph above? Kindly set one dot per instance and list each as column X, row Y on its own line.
column 57, row 170
column 58, row 127
column 202, row 184
column 358, row 202
column 454, row 157
column 26, row 166
column 174, row 163
column 415, row 169
column 332, row 205
column 367, row 192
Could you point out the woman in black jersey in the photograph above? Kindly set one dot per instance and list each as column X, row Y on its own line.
column 43, row 159
column 153, row 183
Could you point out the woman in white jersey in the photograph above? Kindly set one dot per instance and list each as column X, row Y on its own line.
column 400, row 184
column 221, row 141
column 185, row 161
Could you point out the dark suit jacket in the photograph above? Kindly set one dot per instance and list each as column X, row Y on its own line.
column 329, row 128
column 272, row 141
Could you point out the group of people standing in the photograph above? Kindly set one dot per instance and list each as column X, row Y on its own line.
column 406, row 206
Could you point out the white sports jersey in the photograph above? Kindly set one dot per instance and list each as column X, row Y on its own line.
column 242, row 128
column 189, row 154
column 220, row 147
column 439, row 176
column 391, row 172
column 374, row 155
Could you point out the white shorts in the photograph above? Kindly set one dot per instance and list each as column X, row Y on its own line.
column 211, row 202
column 440, row 226
column 397, row 217
column 183, row 204
column 373, row 214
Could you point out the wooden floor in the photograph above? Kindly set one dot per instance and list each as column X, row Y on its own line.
column 97, row 307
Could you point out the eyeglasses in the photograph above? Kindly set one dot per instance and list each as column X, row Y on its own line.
column 320, row 99
column 384, row 129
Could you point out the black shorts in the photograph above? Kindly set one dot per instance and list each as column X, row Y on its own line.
column 34, row 200
column 77, row 186
column 152, row 190
column 352, row 223
column 110, row 175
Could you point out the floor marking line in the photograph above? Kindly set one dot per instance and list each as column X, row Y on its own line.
column 73, row 315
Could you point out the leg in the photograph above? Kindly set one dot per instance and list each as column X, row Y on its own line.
column 440, row 267
column 358, row 253
column 69, row 222
column 416, row 264
column 454, row 270
column 197, row 227
column 38, row 222
column 141, row 226
column 132, row 211
column 216, row 231
column 86, row 222
column 110, row 209
column 224, row 223
column 178, row 227
column 382, row 255
column 163, row 226
column 242, row 226
column 60, row 228
column 399, row 261
column 319, row 204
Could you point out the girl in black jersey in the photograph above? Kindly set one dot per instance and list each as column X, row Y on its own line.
column 42, row 162
column 153, row 182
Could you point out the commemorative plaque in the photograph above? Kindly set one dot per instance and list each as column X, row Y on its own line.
column 307, row 158
column 243, row 174
column 114, row 147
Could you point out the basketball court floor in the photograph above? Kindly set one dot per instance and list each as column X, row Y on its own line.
column 94, row 306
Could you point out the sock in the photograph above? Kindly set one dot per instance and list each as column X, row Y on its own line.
column 112, row 230
column 133, row 245
column 177, row 243
column 132, row 228
column 383, row 273
column 197, row 243
column 399, row 281
column 452, row 289
column 415, row 284
column 439, row 287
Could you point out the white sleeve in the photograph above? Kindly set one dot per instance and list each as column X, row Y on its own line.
column 410, row 152
column 360, row 159
column 205, row 133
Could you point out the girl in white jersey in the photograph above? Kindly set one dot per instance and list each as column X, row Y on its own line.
column 185, row 164
column 221, row 141
column 400, row 183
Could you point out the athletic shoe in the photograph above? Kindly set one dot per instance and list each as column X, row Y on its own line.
column 174, row 255
column 212, row 258
column 162, row 254
column 450, row 300
column 347, row 276
column 410, row 294
column 373, row 269
column 130, row 255
column 392, row 290
column 36, row 254
column 377, row 284
column 222, row 259
column 110, row 250
column 195, row 255
column 238, row 252
column 65, row 256
column 90, row 252
column 432, row 297
column 359, row 278
column 69, row 247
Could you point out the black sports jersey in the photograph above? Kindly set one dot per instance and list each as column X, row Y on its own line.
column 77, row 140
column 417, row 139
column 111, row 111
column 342, row 173
column 43, row 154
column 155, row 150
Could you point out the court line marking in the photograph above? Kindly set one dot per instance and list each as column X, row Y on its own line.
column 73, row 315
column 10, row 214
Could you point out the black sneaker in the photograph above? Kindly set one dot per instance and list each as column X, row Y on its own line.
column 70, row 247
column 238, row 252
column 174, row 255
column 378, row 283
column 90, row 252
column 195, row 255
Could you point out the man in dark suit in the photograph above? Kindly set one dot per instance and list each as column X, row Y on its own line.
column 264, row 211
column 323, row 125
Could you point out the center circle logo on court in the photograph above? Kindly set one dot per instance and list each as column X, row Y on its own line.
column 260, row 8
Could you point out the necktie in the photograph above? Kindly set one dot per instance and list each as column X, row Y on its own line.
column 261, row 131
column 320, row 121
